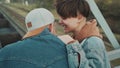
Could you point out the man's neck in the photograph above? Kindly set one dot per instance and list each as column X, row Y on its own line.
column 34, row 32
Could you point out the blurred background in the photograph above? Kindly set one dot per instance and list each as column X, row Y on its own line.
column 17, row 9
column 109, row 8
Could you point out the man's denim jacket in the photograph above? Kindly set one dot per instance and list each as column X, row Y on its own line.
column 92, row 54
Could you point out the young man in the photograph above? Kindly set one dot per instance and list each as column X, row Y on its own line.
column 91, row 52
column 39, row 48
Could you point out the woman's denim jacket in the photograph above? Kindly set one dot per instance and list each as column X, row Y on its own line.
column 92, row 54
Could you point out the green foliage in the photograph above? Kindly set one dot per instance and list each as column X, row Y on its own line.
column 109, row 8
column 45, row 3
column 111, row 11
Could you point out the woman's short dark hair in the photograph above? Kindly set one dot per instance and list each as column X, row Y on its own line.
column 72, row 8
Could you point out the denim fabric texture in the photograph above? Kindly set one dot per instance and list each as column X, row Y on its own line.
column 0, row 45
column 92, row 54
column 41, row 51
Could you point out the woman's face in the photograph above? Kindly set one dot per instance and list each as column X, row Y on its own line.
column 70, row 24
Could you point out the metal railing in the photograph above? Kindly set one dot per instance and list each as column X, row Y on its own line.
column 115, row 54
column 15, row 23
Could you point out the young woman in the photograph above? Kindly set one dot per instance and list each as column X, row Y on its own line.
column 89, row 51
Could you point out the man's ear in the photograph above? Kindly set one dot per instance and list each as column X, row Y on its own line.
column 51, row 28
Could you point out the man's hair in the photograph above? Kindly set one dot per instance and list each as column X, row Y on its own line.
column 72, row 8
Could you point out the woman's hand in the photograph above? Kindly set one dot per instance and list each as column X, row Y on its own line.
column 67, row 39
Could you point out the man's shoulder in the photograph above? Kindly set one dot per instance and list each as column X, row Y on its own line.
column 10, row 47
column 14, row 44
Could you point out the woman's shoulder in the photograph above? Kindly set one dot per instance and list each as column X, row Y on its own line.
column 94, row 39
column 94, row 43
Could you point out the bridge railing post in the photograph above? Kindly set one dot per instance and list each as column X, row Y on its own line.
column 102, row 22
